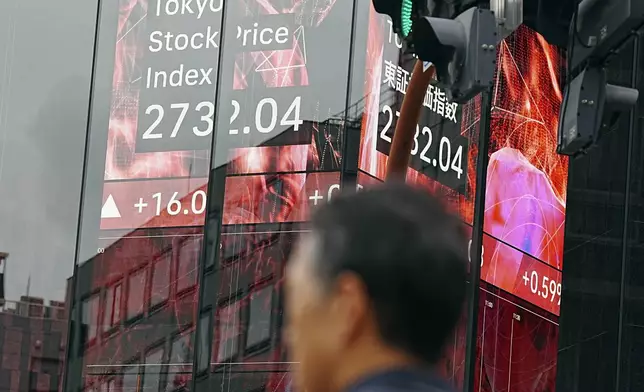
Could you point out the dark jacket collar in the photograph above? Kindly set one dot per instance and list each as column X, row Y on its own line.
column 401, row 380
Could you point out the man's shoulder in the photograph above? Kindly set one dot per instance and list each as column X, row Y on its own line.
column 402, row 381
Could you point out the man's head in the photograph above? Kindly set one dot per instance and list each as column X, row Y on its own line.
column 379, row 282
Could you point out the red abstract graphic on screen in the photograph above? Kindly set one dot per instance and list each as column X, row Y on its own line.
column 517, row 347
column 276, row 68
column 121, row 161
column 526, row 185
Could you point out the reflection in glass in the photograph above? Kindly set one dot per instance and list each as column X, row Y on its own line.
column 131, row 379
column 109, row 386
column 259, row 321
column 112, row 312
column 180, row 363
column 144, row 194
column 203, row 361
column 136, row 293
column 151, row 373
column 90, row 317
column 227, row 332
column 280, row 105
column 188, row 259
column 161, row 279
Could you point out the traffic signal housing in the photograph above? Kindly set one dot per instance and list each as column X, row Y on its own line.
column 402, row 13
column 463, row 50
column 590, row 106
column 460, row 44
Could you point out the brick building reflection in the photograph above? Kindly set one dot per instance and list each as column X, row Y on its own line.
column 32, row 335
column 139, row 298
column 139, row 311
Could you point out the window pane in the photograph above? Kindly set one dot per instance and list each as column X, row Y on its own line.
column 136, row 293
column 161, row 280
column 131, row 379
column 188, row 260
column 259, row 320
column 112, row 313
column 203, row 361
column 117, row 300
column 90, row 317
column 180, row 365
column 227, row 332
column 153, row 363
column 108, row 301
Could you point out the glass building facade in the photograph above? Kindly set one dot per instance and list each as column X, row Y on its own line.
column 159, row 158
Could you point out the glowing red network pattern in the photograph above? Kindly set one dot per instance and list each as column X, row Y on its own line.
column 276, row 198
column 525, row 207
column 526, row 179
column 521, row 274
column 517, row 347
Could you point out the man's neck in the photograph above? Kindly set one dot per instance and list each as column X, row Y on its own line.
column 367, row 362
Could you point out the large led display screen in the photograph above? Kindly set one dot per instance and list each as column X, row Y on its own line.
column 524, row 203
column 145, row 198
column 524, row 220
column 263, row 93
column 526, row 190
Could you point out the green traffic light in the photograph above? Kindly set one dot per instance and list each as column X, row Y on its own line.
column 405, row 17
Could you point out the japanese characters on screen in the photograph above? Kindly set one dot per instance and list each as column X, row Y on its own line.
column 525, row 195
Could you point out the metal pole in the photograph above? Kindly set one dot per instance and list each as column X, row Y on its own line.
column 351, row 137
column 72, row 373
column 477, row 242
column 632, row 123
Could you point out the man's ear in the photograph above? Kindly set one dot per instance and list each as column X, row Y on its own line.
column 351, row 304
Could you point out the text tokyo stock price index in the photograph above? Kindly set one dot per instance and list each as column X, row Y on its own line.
column 177, row 79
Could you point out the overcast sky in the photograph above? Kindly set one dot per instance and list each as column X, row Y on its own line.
column 45, row 65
